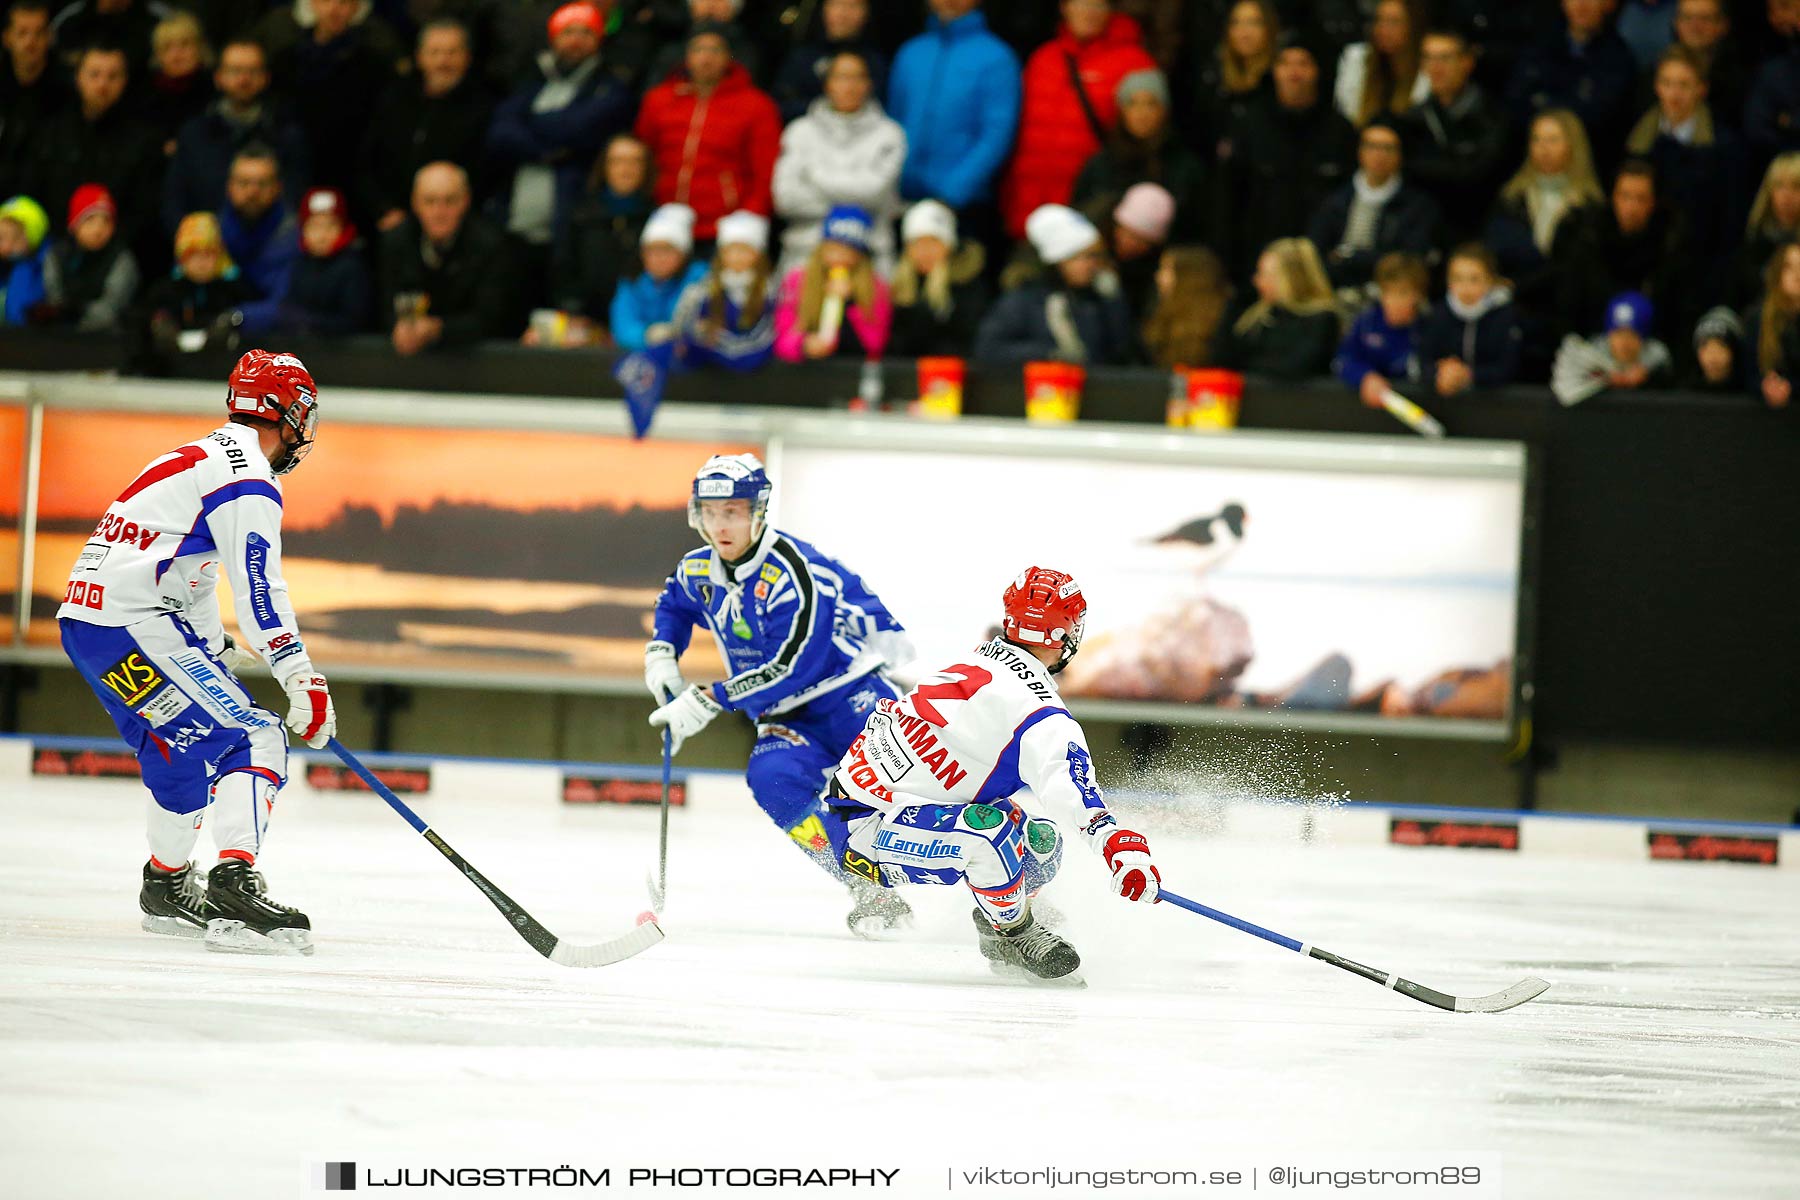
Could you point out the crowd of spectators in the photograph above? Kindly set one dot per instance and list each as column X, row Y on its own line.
column 1428, row 196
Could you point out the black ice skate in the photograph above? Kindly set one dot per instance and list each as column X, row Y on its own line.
column 241, row 919
column 1030, row 947
column 877, row 912
column 174, row 902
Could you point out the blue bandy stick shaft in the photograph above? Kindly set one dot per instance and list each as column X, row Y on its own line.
column 375, row 785
column 1267, row 935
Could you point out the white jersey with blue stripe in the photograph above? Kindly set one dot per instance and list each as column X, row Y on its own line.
column 978, row 731
column 209, row 505
column 792, row 623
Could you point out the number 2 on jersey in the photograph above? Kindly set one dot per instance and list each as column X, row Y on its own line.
column 973, row 679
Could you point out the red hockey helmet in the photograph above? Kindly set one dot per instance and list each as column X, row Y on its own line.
column 1044, row 607
column 277, row 388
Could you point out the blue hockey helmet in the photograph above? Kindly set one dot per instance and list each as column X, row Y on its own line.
column 732, row 477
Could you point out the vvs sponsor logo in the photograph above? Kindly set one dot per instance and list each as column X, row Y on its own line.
column 132, row 679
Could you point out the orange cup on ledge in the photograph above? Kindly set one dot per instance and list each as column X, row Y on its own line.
column 1214, row 398
column 1053, row 391
column 940, row 387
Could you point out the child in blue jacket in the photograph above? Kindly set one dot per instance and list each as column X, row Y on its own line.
column 1381, row 349
column 644, row 306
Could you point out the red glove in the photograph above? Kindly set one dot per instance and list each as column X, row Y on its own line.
column 1134, row 876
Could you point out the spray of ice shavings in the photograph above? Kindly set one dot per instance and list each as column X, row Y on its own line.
column 1204, row 773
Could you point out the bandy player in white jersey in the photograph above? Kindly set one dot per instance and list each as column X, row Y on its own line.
column 140, row 621
column 928, row 790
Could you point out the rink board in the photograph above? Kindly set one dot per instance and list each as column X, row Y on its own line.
column 538, row 784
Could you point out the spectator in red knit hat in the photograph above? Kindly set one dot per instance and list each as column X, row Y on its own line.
column 713, row 135
column 550, row 130
column 91, row 276
column 1070, row 105
column 329, row 289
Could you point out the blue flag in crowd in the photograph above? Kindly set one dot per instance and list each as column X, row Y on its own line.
column 643, row 374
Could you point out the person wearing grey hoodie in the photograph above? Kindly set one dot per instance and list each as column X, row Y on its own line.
column 845, row 150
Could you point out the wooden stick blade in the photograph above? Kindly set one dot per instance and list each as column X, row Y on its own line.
column 1500, row 1001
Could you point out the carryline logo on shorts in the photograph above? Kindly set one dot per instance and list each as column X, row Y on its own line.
column 216, row 696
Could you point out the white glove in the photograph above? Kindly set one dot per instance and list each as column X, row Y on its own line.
column 310, row 714
column 686, row 715
column 235, row 657
column 1134, row 876
column 661, row 675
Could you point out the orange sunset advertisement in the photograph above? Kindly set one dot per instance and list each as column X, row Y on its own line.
column 418, row 548
column 12, row 474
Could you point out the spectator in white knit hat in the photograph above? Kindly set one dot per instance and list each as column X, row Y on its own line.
column 728, row 318
column 1073, row 312
column 643, row 307
column 938, row 291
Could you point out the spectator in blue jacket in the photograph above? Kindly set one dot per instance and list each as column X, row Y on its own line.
column 1381, row 350
column 24, row 226
column 549, row 132
column 1584, row 66
column 261, row 234
column 955, row 90
column 1472, row 340
column 643, row 307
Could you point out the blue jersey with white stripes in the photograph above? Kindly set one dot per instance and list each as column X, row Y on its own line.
column 792, row 623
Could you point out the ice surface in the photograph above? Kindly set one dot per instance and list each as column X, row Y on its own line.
column 1664, row 1061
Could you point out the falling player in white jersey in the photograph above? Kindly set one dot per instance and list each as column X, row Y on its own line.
column 140, row 621
column 926, row 793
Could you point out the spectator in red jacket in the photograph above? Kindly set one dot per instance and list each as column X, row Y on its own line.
column 712, row 134
column 1060, row 127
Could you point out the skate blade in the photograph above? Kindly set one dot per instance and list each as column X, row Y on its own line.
column 874, row 929
column 1018, row 974
column 172, row 927
column 234, row 937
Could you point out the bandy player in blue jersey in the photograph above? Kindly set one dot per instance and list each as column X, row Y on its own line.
column 929, row 792
column 140, row 621
column 805, row 643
